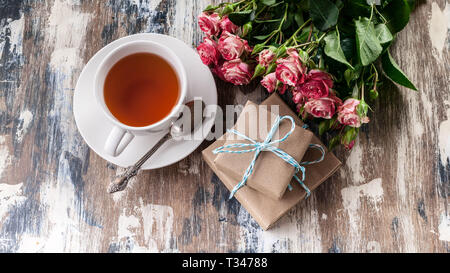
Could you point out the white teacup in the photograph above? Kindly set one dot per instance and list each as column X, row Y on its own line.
column 121, row 135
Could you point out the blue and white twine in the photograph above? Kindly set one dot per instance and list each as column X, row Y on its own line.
column 267, row 145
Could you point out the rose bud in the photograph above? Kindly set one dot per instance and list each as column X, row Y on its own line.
column 209, row 23
column 208, row 52
column 232, row 47
column 227, row 26
column 237, row 72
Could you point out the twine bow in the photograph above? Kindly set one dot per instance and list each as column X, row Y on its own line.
column 267, row 145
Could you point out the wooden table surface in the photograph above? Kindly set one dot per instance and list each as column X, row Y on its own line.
column 391, row 195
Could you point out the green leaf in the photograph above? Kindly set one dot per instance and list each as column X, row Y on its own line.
column 349, row 135
column 324, row 126
column 262, row 37
column 211, row 8
column 299, row 18
column 269, row 2
column 303, row 36
column 348, row 47
column 241, row 17
column 367, row 44
column 355, row 8
column 333, row 48
column 323, row 13
column 393, row 71
column 412, row 4
column 227, row 10
column 397, row 14
column 383, row 34
column 334, row 142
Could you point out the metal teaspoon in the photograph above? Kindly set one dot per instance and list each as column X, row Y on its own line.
column 121, row 182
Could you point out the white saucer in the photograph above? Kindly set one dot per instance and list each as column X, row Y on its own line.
column 94, row 126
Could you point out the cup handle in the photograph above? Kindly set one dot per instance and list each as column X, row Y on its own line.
column 117, row 141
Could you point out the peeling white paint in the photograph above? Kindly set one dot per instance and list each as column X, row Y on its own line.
column 354, row 165
column 438, row 25
column 143, row 226
column 152, row 4
column 324, row 216
column 444, row 138
column 30, row 244
column 66, row 29
column 444, row 228
column 25, row 119
column 127, row 226
column 353, row 196
column 298, row 231
column 373, row 247
column 5, row 157
column 10, row 196
column 62, row 221
column 402, row 155
column 186, row 169
column 13, row 29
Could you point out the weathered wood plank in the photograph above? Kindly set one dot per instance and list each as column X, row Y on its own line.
column 391, row 195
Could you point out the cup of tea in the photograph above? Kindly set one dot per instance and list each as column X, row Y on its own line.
column 141, row 87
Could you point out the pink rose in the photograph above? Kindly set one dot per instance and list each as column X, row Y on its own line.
column 232, row 46
column 208, row 52
column 266, row 57
column 316, row 74
column 298, row 97
column 237, row 72
column 209, row 23
column 290, row 70
column 283, row 88
column 317, row 85
column 227, row 25
column 321, row 108
column 314, row 89
column 270, row 82
column 348, row 115
column 292, row 52
column 217, row 70
column 349, row 119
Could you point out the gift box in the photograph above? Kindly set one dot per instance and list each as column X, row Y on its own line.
column 256, row 122
column 264, row 209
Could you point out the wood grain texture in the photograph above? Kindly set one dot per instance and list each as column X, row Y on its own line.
column 392, row 195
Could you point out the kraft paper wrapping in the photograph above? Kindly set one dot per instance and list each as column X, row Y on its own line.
column 271, row 174
column 265, row 210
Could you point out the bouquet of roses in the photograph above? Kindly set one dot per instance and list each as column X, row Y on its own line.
column 326, row 56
